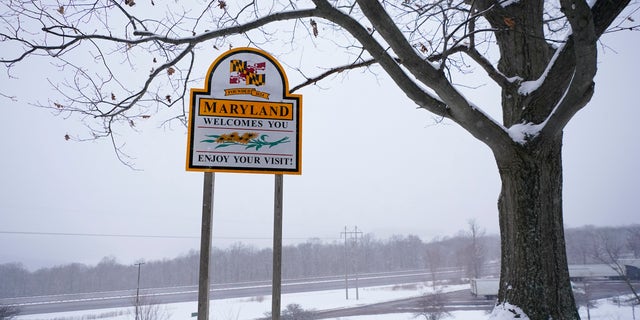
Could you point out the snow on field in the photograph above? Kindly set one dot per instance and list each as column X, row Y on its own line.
column 256, row 307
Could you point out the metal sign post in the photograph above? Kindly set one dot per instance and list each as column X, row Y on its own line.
column 277, row 249
column 205, row 246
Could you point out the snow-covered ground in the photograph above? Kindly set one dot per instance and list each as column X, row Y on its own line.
column 256, row 307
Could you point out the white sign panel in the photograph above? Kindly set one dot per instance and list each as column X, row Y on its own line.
column 245, row 119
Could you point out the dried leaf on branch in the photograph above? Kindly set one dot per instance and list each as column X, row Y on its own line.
column 510, row 22
column 314, row 26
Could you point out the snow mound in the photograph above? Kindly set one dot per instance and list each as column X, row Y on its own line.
column 507, row 3
column 507, row 311
column 522, row 131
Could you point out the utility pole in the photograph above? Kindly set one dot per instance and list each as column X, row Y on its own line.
column 346, row 264
column 352, row 235
column 138, row 291
column 356, row 257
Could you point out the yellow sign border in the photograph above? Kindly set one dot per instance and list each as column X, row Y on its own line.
column 246, row 109
column 193, row 92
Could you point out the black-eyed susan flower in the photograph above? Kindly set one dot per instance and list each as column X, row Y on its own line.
column 249, row 140
column 234, row 136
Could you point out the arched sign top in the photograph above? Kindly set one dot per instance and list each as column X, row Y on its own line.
column 253, row 68
column 245, row 119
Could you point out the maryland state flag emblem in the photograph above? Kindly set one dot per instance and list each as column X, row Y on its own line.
column 241, row 71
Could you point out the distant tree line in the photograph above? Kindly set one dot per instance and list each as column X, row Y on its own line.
column 470, row 249
column 589, row 244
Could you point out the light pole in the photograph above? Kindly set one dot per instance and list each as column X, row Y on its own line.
column 138, row 290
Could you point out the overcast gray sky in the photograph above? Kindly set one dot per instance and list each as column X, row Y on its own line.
column 370, row 159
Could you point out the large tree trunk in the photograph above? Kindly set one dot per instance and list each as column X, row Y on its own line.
column 534, row 273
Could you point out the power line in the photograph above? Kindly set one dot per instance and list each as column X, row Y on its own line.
column 74, row 234
column 112, row 235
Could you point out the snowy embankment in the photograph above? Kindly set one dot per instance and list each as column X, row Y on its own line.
column 256, row 307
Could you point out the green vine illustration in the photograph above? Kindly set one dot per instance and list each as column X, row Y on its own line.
column 248, row 139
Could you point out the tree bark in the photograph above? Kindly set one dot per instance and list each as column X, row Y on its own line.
column 534, row 274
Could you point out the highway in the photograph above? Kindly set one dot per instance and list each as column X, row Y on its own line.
column 461, row 300
column 457, row 300
column 126, row 298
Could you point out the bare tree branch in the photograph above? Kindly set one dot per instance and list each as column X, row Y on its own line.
column 422, row 98
column 587, row 24
column 459, row 109
column 333, row 71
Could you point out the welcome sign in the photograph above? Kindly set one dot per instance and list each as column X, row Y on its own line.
column 245, row 119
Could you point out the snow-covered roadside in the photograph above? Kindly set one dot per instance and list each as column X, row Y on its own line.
column 255, row 307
